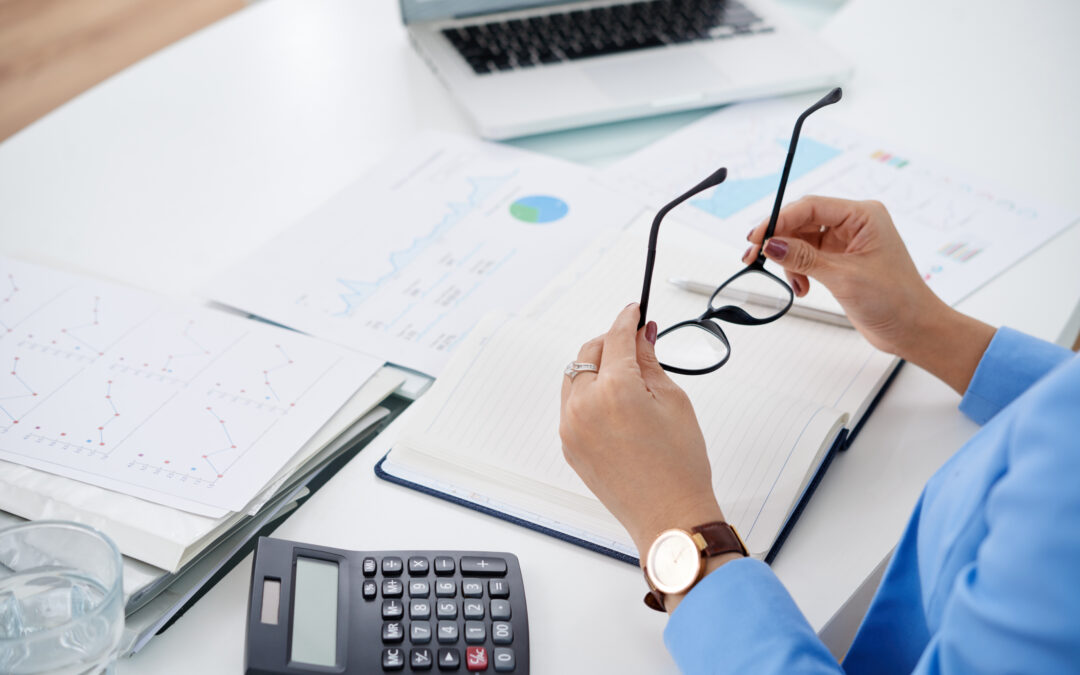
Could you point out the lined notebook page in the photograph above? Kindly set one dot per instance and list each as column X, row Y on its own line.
column 804, row 359
column 497, row 405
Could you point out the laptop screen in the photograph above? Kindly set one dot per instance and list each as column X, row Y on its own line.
column 413, row 11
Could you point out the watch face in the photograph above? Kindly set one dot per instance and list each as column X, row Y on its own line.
column 673, row 561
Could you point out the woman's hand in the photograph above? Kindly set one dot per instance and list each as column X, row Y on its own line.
column 854, row 249
column 631, row 434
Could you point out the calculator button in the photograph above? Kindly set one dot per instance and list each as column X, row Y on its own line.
column 446, row 609
column 419, row 609
column 449, row 659
column 472, row 589
column 392, row 588
column 475, row 633
column 393, row 659
column 445, row 589
column 392, row 609
column 475, row 566
column 418, row 566
column 392, row 632
column 419, row 589
column 500, row 609
column 420, row 632
column 420, row 659
column 476, row 658
column 447, row 632
column 444, row 565
column 473, row 609
column 368, row 567
column 391, row 566
column 370, row 589
column 499, row 588
column 504, row 659
column 502, row 632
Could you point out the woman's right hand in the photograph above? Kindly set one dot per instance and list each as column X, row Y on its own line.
column 854, row 249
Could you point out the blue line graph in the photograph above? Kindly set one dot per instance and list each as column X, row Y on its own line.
column 358, row 291
column 112, row 416
column 230, row 444
column 10, row 295
column 266, row 373
column 29, row 390
column 733, row 196
column 200, row 350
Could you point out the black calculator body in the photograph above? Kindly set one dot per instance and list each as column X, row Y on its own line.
column 314, row 609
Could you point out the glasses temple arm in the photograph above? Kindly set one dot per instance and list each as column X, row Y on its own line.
column 716, row 178
column 830, row 98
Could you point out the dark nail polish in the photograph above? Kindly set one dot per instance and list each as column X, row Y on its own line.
column 750, row 234
column 796, row 286
column 650, row 332
column 747, row 253
column 776, row 249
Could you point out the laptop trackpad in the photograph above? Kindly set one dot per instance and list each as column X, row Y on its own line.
column 656, row 75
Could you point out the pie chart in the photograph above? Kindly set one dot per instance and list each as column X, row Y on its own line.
column 539, row 209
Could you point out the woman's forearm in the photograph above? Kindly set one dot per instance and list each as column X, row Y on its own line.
column 947, row 344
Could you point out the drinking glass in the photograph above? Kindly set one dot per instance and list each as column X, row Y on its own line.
column 61, row 600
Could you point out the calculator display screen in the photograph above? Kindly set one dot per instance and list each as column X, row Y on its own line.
column 315, row 611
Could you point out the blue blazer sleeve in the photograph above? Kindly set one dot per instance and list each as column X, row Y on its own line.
column 1015, row 607
column 1012, row 363
column 741, row 619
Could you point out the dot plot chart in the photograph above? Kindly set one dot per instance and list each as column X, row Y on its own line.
column 184, row 406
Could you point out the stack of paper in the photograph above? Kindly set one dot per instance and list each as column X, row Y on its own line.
column 169, row 427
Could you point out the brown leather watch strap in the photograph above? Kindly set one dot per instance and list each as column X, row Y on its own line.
column 719, row 538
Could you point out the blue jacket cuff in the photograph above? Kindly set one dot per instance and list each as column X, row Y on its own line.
column 1012, row 362
column 741, row 619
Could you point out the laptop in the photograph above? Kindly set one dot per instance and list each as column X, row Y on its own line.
column 521, row 67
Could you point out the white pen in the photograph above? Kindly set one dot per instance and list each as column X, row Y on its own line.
column 801, row 311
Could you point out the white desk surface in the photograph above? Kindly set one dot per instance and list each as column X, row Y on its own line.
column 176, row 168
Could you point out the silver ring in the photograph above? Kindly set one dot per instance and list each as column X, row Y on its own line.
column 822, row 228
column 575, row 368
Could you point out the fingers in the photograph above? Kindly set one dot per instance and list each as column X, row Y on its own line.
column 651, row 371
column 799, row 283
column 798, row 257
column 590, row 352
column 620, row 343
column 805, row 218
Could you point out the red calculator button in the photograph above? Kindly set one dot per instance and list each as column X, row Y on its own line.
column 476, row 658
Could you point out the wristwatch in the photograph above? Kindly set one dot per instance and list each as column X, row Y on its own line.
column 676, row 559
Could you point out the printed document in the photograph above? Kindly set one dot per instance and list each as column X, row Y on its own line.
column 184, row 406
column 404, row 262
column 961, row 232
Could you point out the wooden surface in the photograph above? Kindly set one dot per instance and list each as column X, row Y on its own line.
column 53, row 50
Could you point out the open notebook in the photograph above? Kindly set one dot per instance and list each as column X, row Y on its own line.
column 486, row 434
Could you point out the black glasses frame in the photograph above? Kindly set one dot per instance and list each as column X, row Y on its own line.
column 729, row 313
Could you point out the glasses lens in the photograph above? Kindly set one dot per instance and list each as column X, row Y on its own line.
column 760, row 295
column 690, row 347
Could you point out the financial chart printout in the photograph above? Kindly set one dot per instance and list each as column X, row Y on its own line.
column 188, row 407
column 960, row 231
column 404, row 262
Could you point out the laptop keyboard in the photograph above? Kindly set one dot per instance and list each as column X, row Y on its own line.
column 580, row 34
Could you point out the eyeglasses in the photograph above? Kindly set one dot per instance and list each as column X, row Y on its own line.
column 752, row 297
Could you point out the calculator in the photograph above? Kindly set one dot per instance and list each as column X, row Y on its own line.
column 314, row 609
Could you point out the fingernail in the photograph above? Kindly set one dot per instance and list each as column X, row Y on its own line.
column 776, row 249
column 650, row 332
column 747, row 253
column 629, row 305
column 750, row 234
column 797, row 286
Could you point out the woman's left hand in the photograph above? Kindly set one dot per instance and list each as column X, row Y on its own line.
column 631, row 434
